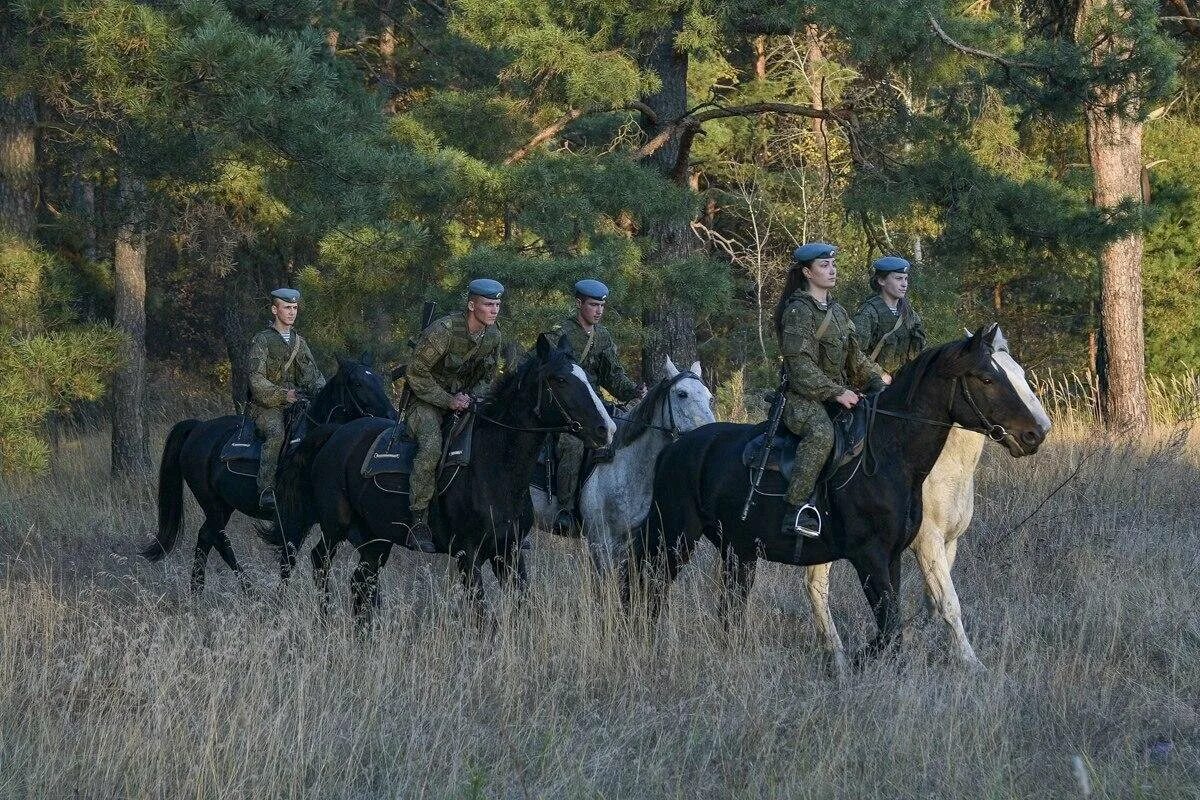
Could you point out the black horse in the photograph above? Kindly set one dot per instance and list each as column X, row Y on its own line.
column 192, row 453
column 483, row 510
column 874, row 505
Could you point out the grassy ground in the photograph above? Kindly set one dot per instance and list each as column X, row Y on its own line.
column 114, row 682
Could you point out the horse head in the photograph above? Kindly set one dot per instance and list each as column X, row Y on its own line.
column 566, row 397
column 359, row 389
column 991, row 395
column 684, row 402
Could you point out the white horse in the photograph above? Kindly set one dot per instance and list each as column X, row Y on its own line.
column 615, row 497
column 947, row 504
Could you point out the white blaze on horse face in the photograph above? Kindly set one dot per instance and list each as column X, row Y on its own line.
column 1016, row 377
column 578, row 372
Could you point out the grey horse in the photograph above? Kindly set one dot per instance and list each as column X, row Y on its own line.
column 615, row 497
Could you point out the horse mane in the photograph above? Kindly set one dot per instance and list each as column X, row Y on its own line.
column 947, row 358
column 505, row 387
column 642, row 416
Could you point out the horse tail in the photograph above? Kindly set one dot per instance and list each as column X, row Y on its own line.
column 170, row 492
column 293, row 487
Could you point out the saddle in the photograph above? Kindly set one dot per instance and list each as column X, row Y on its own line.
column 242, row 451
column 389, row 460
column 850, row 430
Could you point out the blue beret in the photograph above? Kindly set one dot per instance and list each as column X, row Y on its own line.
column 486, row 288
column 813, row 250
column 591, row 288
column 891, row 264
column 287, row 295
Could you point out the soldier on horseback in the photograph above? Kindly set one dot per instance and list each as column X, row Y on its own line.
column 595, row 350
column 454, row 362
column 888, row 327
column 824, row 364
column 281, row 366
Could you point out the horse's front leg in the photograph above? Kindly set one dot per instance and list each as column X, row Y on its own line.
column 816, row 580
column 737, row 578
column 364, row 584
column 875, row 571
column 934, row 561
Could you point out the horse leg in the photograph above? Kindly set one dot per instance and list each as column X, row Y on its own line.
column 215, row 520
column 364, row 584
column 875, row 571
column 737, row 578
column 510, row 569
column 934, row 556
column 322, row 562
column 468, row 570
column 816, row 580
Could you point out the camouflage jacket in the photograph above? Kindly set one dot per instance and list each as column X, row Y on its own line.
column 822, row 369
column 269, row 383
column 875, row 322
column 447, row 360
column 597, row 354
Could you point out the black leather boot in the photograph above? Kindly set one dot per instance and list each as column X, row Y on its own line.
column 266, row 501
column 803, row 521
column 566, row 524
column 420, row 537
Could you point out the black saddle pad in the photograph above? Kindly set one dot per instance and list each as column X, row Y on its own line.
column 244, row 445
column 849, row 435
column 394, row 448
column 391, row 453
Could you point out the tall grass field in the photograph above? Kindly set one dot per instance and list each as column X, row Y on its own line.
column 115, row 682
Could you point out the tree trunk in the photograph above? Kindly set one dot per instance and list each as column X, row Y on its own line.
column 1114, row 145
column 130, row 442
column 670, row 325
column 18, row 164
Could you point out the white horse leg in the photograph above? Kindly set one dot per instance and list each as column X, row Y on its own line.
column 932, row 556
column 816, row 580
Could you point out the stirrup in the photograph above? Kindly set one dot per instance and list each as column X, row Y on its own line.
column 811, row 533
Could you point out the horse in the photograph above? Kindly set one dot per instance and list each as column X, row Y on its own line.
column 483, row 510
column 873, row 508
column 192, row 454
column 615, row 497
column 947, row 503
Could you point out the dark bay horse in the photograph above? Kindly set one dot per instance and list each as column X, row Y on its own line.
column 874, row 506
column 481, row 513
column 192, row 453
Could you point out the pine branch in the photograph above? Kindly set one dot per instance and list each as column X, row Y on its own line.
column 693, row 121
column 544, row 134
column 974, row 51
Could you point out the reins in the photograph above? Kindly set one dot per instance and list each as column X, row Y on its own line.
column 667, row 402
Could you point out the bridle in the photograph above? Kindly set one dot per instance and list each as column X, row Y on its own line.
column 992, row 430
column 667, row 405
column 544, row 389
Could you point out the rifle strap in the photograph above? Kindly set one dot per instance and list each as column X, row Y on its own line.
column 883, row 339
column 824, row 326
column 587, row 348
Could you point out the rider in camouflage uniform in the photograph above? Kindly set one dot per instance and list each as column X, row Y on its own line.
column 594, row 349
column 454, row 361
column 888, row 327
column 280, row 365
column 824, row 364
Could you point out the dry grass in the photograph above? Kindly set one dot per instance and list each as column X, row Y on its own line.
column 115, row 683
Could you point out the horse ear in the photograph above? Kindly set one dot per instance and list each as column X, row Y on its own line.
column 367, row 359
column 564, row 344
column 669, row 367
column 695, row 369
column 989, row 335
column 341, row 362
column 543, row 347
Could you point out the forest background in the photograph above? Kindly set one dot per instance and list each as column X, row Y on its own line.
column 164, row 164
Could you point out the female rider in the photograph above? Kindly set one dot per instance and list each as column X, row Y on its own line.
column 824, row 364
column 888, row 327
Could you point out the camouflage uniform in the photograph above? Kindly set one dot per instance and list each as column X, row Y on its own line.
column 597, row 354
column 447, row 360
column 269, row 385
column 818, row 371
column 874, row 323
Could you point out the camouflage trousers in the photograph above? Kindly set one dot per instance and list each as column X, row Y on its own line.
column 809, row 420
column 570, row 460
column 269, row 424
column 425, row 425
